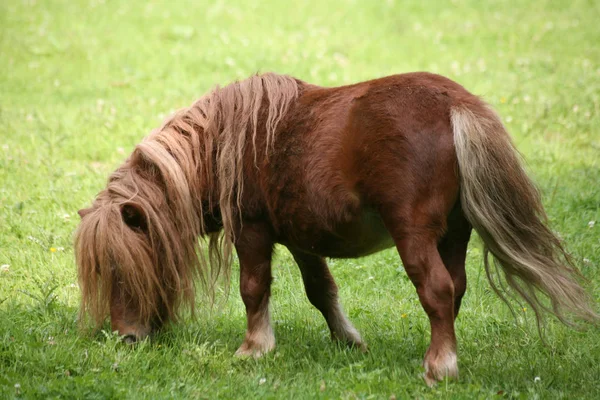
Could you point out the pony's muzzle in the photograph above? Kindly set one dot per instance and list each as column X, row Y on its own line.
column 130, row 333
column 130, row 339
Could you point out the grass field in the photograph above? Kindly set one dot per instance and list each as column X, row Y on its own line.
column 81, row 82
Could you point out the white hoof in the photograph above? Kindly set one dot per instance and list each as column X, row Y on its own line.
column 439, row 367
column 256, row 344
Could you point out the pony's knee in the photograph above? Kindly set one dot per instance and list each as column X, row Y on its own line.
column 254, row 288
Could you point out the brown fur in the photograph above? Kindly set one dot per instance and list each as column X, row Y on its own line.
column 410, row 160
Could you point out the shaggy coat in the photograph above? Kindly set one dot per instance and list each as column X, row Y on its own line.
column 412, row 161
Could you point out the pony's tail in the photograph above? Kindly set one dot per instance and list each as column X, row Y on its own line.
column 504, row 207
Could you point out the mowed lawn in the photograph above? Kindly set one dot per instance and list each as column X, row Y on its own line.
column 81, row 82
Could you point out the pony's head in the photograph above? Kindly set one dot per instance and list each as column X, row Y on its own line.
column 137, row 246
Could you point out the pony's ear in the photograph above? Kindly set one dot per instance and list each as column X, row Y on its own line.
column 134, row 216
column 84, row 211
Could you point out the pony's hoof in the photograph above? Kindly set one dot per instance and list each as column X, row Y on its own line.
column 355, row 345
column 350, row 338
column 440, row 368
column 248, row 353
column 253, row 350
column 360, row 346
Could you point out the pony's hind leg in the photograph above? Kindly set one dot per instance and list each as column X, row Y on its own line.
column 453, row 250
column 435, row 288
column 322, row 292
column 409, row 173
column 416, row 229
column 254, row 248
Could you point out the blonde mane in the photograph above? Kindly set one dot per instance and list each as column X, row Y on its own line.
column 173, row 178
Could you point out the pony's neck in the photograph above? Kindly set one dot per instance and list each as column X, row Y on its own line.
column 201, row 151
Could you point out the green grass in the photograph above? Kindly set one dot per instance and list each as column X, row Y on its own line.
column 82, row 82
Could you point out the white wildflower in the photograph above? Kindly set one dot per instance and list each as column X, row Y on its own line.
column 481, row 65
column 341, row 60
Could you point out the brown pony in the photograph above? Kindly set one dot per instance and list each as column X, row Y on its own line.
column 413, row 161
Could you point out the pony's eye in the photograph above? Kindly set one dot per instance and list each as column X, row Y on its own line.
column 134, row 217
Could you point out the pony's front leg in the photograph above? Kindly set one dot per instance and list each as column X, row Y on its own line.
column 254, row 247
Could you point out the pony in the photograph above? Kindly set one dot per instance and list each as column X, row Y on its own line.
column 413, row 161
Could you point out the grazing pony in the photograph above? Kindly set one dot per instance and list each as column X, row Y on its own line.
column 413, row 161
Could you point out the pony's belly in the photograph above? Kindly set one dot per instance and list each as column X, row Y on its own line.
column 360, row 247
column 360, row 237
